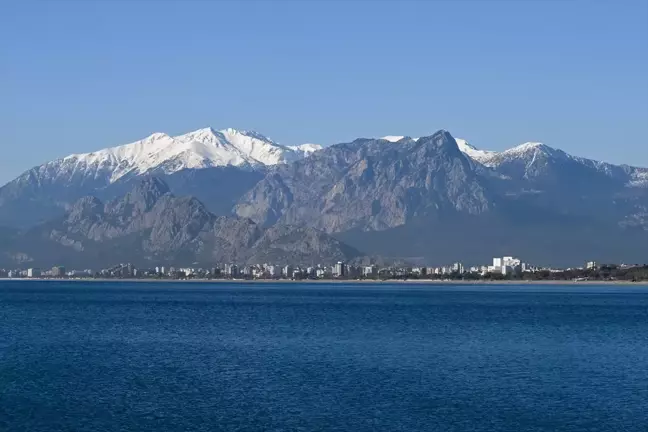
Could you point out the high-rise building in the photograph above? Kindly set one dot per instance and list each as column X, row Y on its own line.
column 287, row 271
column 58, row 271
column 339, row 270
column 457, row 268
column 33, row 273
column 231, row 270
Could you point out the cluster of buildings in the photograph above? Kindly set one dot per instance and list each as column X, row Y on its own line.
column 504, row 266
column 54, row 272
column 501, row 265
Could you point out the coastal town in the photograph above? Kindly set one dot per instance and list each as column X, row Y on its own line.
column 501, row 268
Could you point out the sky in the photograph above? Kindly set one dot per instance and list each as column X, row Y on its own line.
column 80, row 76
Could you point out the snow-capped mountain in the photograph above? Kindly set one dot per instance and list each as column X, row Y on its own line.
column 424, row 197
column 401, row 186
column 213, row 165
column 476, row 154
column 306, row 149
column 219, row 166
column 535, row 160
column 203, row 148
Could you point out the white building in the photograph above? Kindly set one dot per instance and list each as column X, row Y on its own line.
column 511, row 262
column 369, row 271
column 287, row 271
column 33, row 272
column 231, row 270
column 457, row 268
column 505, row 265
column 339, row 269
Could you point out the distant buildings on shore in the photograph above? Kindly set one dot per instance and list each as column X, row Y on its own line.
column 502, row 267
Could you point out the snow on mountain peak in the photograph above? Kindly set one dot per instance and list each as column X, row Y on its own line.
column 492, row 158
column 532, row 150
column 201, row 148
column 473, row 152
column 307, row 149
column 526, row 147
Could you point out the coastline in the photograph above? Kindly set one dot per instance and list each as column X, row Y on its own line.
column 334, row 281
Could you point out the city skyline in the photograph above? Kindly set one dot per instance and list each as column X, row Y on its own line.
column 502, row 268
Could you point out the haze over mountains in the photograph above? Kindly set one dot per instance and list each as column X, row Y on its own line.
column 432, row 199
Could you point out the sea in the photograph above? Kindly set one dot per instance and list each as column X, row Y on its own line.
column 122, row 356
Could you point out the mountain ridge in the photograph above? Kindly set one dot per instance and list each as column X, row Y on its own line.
column 150, row 225
column 234, row 156
column 366, row 191
column 370, row 187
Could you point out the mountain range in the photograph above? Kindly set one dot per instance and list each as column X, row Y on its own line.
column 149, row 226
column 430, row 199
column 215, row 166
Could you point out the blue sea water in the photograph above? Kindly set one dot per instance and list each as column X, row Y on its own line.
column 95, row 356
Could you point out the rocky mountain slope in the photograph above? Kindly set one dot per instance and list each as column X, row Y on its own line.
column 425, row 198
column 373, row 193
column 370, row 185
column 550, row 178
column 150, row 225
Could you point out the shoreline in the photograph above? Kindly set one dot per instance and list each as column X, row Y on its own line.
column 333, row 281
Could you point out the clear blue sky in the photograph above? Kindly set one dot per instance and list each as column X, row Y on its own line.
column 79, row 76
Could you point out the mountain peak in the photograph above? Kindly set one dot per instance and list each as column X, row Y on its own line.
column 162, row 153
column 148, row 190
column 529, row 146
column 442, row 133
column 156, row 136
column 441, row 138
column 207, row 134
column 534, row 148
column 144, row 195
column 307, row 149
column 473, row 152
column 247, row 133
